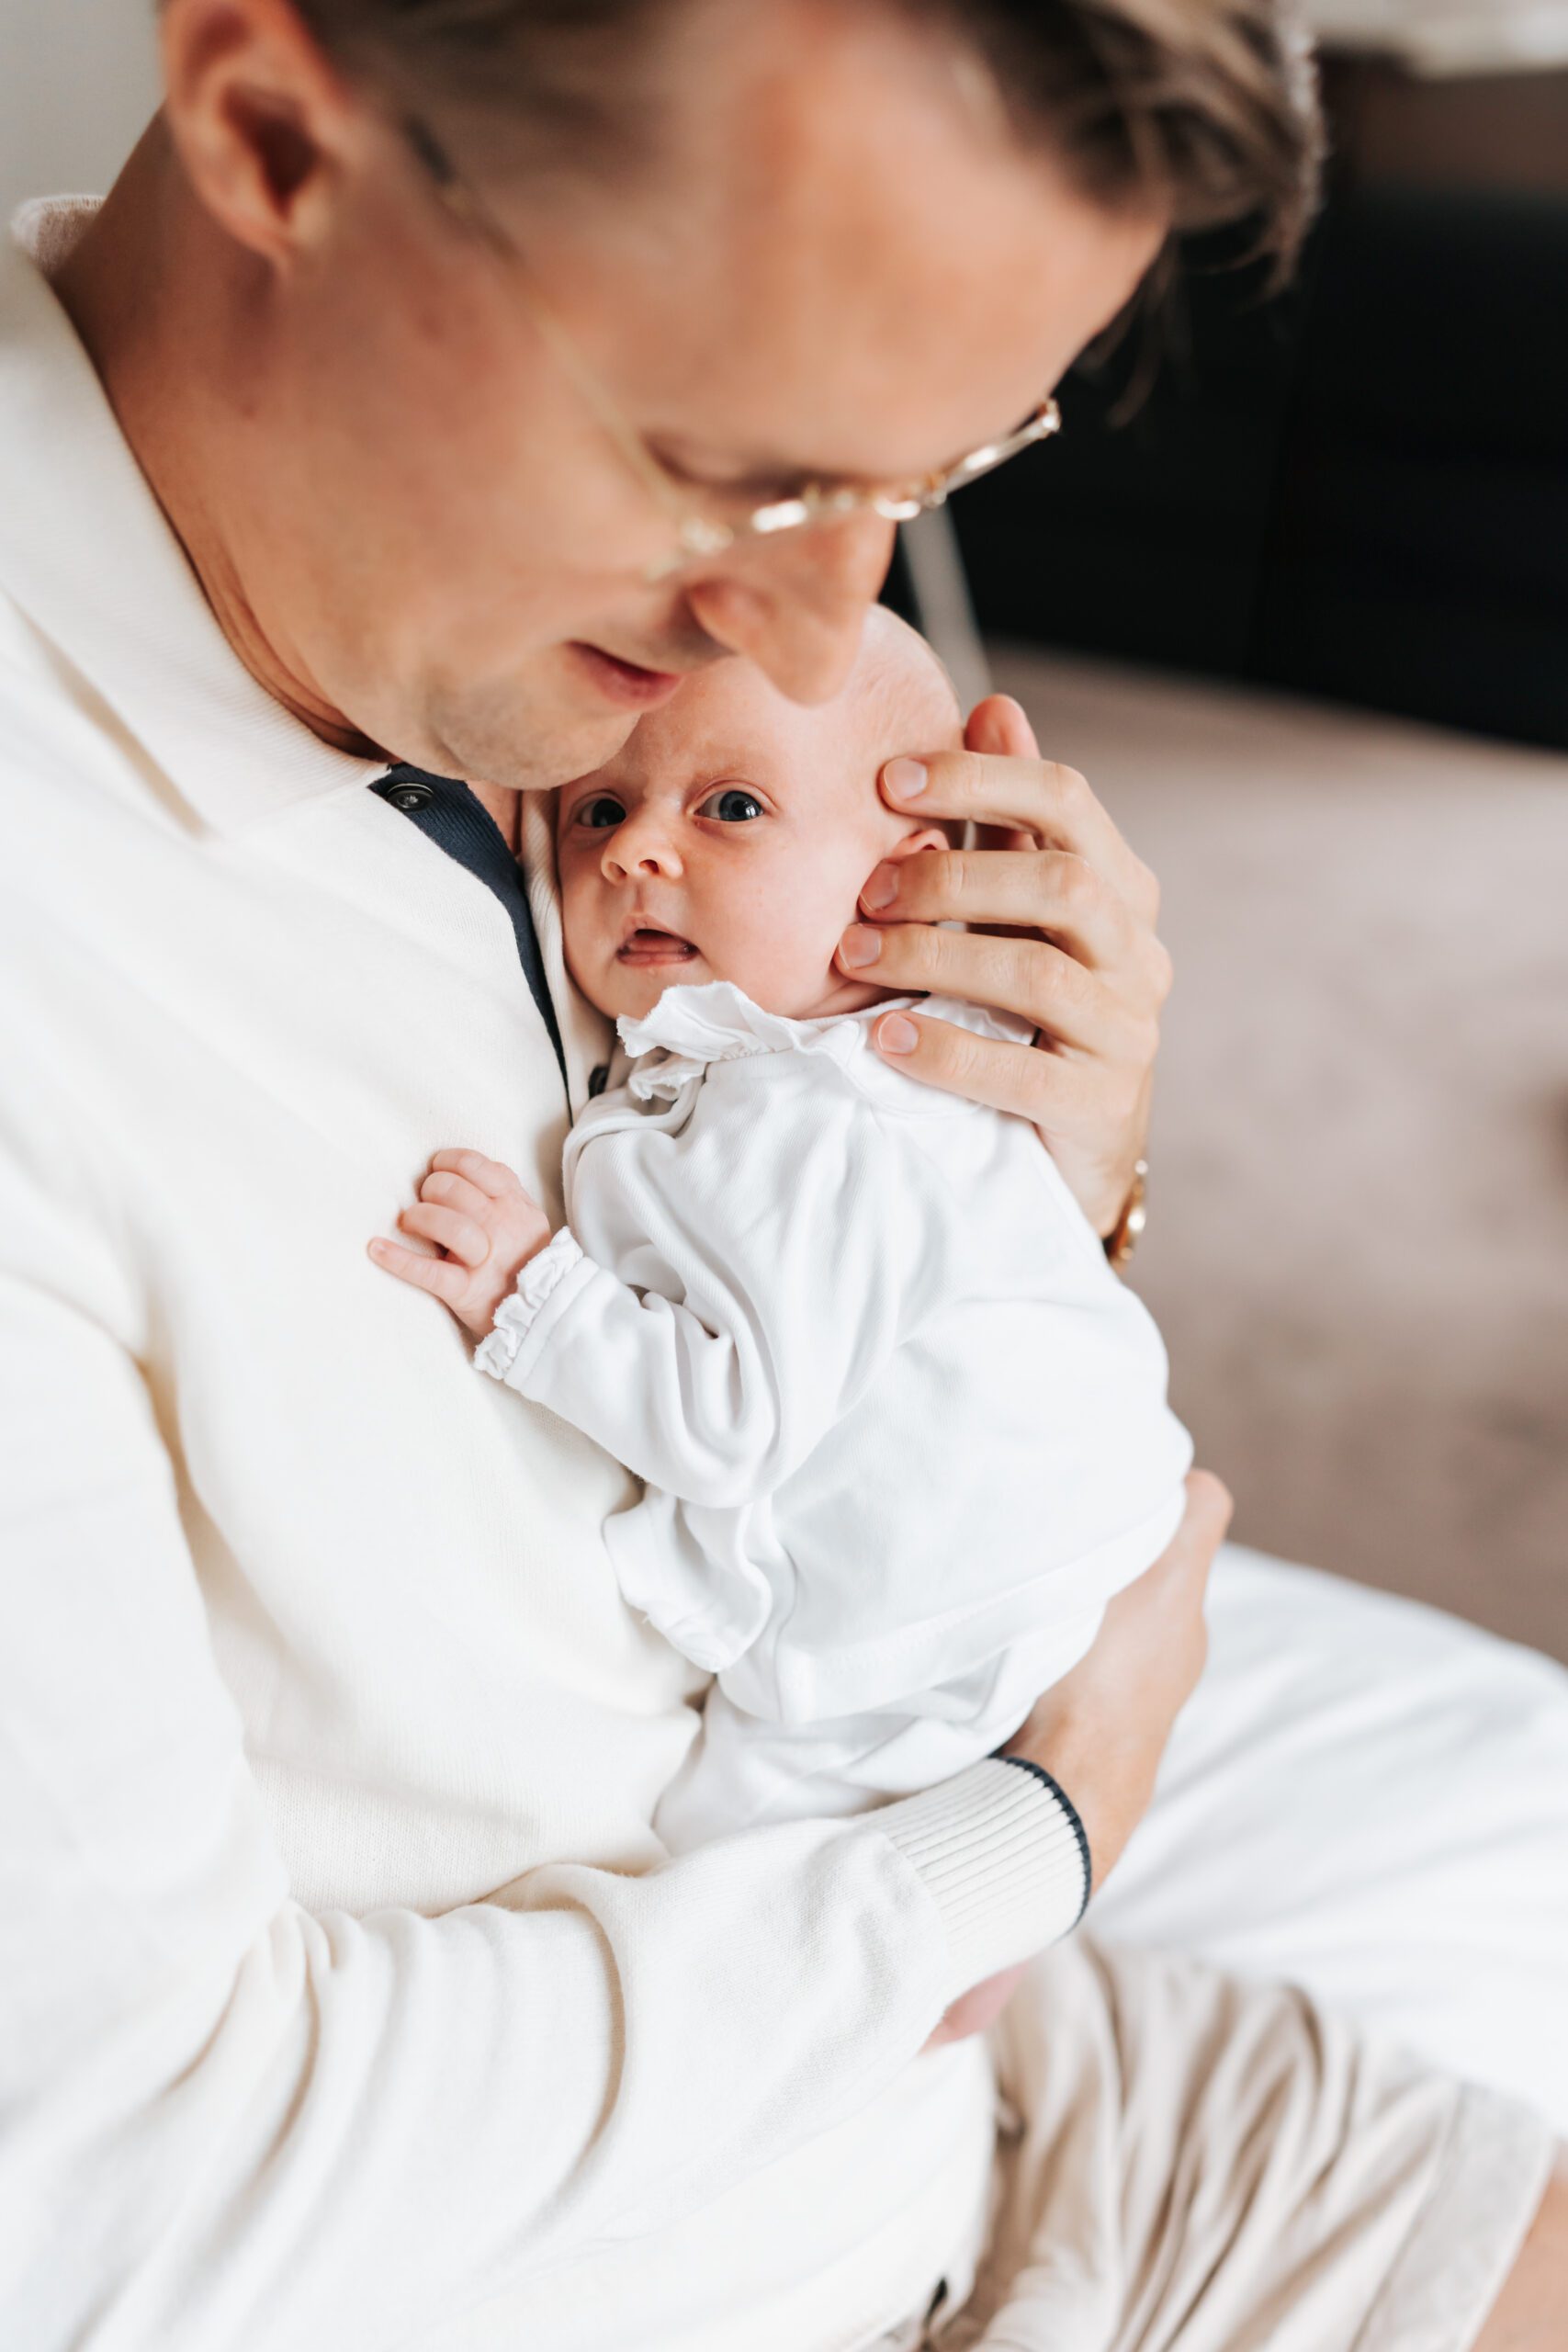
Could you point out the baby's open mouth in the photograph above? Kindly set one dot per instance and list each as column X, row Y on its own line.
column 649, row 944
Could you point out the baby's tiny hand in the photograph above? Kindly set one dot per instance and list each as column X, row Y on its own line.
column 485, row 1226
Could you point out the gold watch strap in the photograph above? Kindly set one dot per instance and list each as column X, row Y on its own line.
column 1123, row 1238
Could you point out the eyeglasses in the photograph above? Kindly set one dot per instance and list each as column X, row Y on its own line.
column 705, row 524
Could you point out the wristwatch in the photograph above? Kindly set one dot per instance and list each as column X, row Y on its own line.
column 1123, row 1238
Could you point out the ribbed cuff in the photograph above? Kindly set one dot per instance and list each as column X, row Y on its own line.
column 1026, row 1764
column 1001, row 1856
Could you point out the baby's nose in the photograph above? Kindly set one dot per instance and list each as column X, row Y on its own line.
column 640, row 847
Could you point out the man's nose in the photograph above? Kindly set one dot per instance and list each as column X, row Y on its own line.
column 642, row 844
column 796, row 605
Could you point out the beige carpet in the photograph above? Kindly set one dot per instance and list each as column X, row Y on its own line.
column 1358, row 1237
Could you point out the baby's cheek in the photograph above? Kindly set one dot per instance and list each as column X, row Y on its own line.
column 782, row 953
column 588, row 940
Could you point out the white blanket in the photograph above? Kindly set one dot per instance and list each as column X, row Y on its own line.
column 1370, row 1800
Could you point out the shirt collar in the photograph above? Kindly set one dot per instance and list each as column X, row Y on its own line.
column 87, row 554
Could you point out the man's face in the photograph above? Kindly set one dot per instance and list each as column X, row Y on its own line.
column 842, row 266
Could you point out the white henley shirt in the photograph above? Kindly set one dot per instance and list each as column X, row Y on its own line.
column 343, row 2002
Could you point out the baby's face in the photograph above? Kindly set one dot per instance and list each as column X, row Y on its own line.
column 731, row 837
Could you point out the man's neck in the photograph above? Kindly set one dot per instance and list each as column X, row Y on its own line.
column 505, row 806
column 145, row 289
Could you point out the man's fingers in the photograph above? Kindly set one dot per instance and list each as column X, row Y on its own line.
column 1204, row 1525
column 1177, row 1579
column 439, row 1276
column 1001, row 726
column 998, row 728
column 1041, row 797
column 1041, row 982
column 1058, row 1095
column 1176, row 1584
column 1209, row 1509
column 1103, row 1727
column 1045, row 890
column 449, row 1229
column 979, row 2008
column 1174, row 1588
column 487, row 1176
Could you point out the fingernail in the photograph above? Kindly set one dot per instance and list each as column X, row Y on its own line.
column 905, row 779
column 897, row 1036
column 860, row 945
column 882, row 889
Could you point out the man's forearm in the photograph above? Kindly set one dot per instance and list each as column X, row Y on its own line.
column 188, row 2163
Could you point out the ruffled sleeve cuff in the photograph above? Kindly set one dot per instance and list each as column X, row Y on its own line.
column 545, row 1289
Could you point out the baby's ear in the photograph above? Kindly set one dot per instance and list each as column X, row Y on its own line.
column 934, row 836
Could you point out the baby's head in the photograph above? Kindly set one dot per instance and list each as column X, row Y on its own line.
column 731, row 836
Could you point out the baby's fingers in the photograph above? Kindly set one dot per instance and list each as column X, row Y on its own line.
column 450, row 1192
column 488, row 1175
column 449, row 1229
column 440, row 1277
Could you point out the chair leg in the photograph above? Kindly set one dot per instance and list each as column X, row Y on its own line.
column 944, row 612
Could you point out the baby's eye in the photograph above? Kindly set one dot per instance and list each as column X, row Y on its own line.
column 733, row 806
column 601, row 813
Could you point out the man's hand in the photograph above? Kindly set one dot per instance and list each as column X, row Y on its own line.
column 485, row 1227
column 1102, row 1731
column 1061, row 918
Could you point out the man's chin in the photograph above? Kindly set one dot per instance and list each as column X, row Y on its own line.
column 522, row 749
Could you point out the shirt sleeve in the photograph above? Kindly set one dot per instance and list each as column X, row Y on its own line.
column 228, row 2121
column 763, row 1262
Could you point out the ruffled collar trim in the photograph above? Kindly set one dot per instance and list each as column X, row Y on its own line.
column 690, row 1028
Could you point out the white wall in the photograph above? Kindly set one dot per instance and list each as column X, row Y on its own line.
column 1441, row 36
column 78, row 79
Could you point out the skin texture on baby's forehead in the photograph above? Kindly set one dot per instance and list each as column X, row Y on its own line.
column 728, row 721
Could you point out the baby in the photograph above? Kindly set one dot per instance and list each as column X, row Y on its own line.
column 903, row 1431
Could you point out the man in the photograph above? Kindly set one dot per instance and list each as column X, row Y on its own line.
column 430, row 394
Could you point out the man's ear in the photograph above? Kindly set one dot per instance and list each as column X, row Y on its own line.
column 263, row 123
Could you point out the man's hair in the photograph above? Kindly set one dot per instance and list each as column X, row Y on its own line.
column 1207, row 105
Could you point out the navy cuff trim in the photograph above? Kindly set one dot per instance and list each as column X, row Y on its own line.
column 1026, row 1764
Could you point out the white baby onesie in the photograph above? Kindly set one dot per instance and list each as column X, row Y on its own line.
column 903, row 1431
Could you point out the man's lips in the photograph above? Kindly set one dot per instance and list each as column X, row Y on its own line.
column 651, row 944
column 626, row 683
